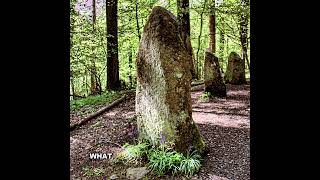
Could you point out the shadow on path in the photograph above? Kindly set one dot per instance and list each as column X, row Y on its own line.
column 229, row 154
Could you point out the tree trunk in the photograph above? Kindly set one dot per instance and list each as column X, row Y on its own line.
column 184, row 28
column 86, row 82
column 79, row 84
column 99, row 86
column 199, row 40
column 183, row 18
column 130, row 67
column 222, row 41
column 137, row 21
column 113, row 82
column 227, row 51
column 93, row 87
column 93, row 70
column 244, row 31
column 93, row 13
column 72, row 86
column 212, row 27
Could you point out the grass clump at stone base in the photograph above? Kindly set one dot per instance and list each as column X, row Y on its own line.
column 161, row 160
column 190, row 164
column 106, row 97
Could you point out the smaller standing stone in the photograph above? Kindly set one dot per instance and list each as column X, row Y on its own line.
column 213, row 80
column 235, row 73
column 137, row 173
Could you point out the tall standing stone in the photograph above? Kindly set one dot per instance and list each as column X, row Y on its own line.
column 213, row 80
column 163, row 99
column 235, row 73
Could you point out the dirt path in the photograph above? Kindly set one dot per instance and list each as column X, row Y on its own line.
column 225, row 126
column 223, row 122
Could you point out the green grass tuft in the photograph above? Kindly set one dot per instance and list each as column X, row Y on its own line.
column 162, row 161
column 93, row 171
column 132, row 153
column 190, row 164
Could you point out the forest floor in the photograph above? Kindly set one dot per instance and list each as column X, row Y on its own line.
column 223, row 122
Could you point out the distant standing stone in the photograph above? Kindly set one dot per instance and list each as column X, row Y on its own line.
column 235, row 73
column 213, row 80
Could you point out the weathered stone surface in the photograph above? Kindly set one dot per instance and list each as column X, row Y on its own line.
column 213, row 80
column 163, row 99
column 235, row 73
column 137, row 173
column 113, row 177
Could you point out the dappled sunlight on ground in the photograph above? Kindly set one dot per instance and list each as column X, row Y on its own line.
column 231, row 111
